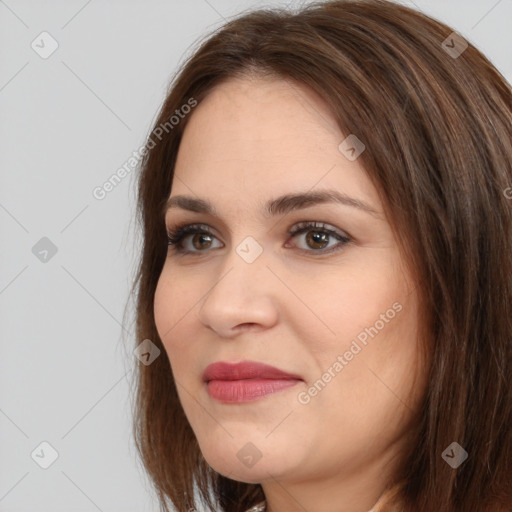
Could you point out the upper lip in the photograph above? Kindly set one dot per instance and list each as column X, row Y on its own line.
column 245, row 370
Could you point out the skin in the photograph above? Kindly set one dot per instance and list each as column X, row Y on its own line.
column 249, row 141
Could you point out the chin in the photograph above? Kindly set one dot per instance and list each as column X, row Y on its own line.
column 242, row 461
column 230, row 466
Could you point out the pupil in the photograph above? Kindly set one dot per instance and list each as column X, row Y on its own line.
column 201, row 238
column 318, row 237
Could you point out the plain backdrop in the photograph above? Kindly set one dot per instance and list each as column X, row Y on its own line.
column 68, row 121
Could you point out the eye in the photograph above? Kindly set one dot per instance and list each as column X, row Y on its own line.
column 318, row 235
column 202, row 237
column 317, row 238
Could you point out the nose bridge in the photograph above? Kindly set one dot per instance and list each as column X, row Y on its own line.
column 244, row 265
column 249, row 250
column 242, row 292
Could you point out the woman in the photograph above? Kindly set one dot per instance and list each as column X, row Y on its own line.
column 326, row 269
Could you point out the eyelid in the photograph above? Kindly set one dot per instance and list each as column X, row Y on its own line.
column 180, row 230
column 320, row 225
column 296, row 226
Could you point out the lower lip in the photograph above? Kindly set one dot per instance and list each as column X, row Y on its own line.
column 247, row 390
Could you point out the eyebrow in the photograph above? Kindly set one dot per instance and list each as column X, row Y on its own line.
column 279, row 206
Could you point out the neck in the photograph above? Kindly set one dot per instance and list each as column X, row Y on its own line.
column 363, row 490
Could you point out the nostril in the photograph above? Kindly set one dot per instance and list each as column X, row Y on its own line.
column 247, row 326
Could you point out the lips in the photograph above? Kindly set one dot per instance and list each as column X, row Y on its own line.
column 245, row 370
column 238, row 383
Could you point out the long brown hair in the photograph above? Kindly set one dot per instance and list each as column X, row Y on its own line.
column 436, row 119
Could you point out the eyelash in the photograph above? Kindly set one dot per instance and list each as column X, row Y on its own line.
column 175, row 236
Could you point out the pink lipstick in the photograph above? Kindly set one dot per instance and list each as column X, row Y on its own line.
column 246, row 381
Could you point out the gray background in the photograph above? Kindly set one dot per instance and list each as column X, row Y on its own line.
column 67, row 123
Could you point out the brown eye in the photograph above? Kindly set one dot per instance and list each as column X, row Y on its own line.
column 199, row 239
column 199, row 234
column 317, row 240
column 318, row 237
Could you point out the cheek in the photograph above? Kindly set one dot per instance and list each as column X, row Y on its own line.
column 175, row 314
column 163, row 312
column 173, row 303
column 348, row 304
column 370, row 320
column 363, row 379
column 382, row 354
column 168, row 310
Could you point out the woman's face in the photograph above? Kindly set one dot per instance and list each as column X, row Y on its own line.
column 340, row 316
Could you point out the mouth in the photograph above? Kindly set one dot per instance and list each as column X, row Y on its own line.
column 246, row 381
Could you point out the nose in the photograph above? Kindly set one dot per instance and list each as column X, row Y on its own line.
column 242, row 296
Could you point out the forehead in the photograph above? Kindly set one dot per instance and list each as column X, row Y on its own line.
column 254, row 137
column 260, row 114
